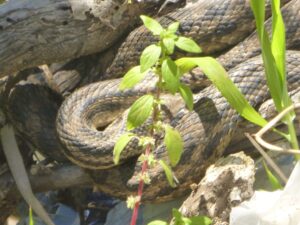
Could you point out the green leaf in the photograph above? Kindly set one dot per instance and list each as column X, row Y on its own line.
column 158, row 222
column 187, row 96
column 258, row 8
column 273, row 54
column 177, row 216
column 152, row 25
column 200, row 220
column 278, row 50
column 149, row 57
column 216, row 73
column 120, row 145
column 31, row 222
column 195, row 220
column 169, row 35
column 168, row 173
column 169, row 43
column 173, row 27
column 185, row 65
column 186, row 221
column 278, row 39
column 170, row 73
column 272, row 179
column 139, row 111
column 131, row 78
column 187, row 45
column 272, row 73
column 174, row 144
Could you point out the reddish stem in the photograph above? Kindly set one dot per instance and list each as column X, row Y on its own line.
column 140, row 189
column 147, row 153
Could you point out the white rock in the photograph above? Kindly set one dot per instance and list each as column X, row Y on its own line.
column 271, row 208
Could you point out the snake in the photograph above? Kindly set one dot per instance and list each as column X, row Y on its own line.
column 91, row 119
column 206, row 131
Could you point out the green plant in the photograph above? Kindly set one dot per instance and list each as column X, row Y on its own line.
column 156, row 58
column 275, row 184
column 178, row 219
column 31, row 222
column 273, row 54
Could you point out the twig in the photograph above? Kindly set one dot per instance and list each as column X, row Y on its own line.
column 17, row 168
column 59, row 177
column 268, row 159
column 272, row 123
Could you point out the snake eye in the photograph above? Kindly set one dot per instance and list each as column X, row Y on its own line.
column 101, row 128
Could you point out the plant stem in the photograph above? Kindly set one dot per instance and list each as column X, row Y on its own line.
column 155, row 119
column 293, row 137
column 140, row 188
column 145, row 163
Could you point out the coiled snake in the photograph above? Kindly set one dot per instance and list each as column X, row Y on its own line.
column 206, row 131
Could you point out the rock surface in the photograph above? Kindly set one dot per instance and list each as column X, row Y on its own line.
column 226, row 184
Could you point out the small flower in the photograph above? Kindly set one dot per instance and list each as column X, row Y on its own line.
column 151, row 160
column 142, row 158
column 132, row 200
column 145, row 141
column 145, row 177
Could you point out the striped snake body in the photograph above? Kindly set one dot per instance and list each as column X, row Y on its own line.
column 206, row 130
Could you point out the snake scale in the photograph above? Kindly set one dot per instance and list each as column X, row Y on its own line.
column 206, row 131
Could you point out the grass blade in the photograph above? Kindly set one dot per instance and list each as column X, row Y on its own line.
column 272, row 179
column 31, row 222
column 216, row 73
column 273, row 54
column 275, row 85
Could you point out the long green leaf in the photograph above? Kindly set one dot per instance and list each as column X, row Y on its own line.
column 273, row 54
column 185, row 65
column 278, row 39
column 272, row 179
column 216, row 73
column 157, row 222
column 272, row 73
column 31, row 222
column 278, row 46
column 258, row 8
